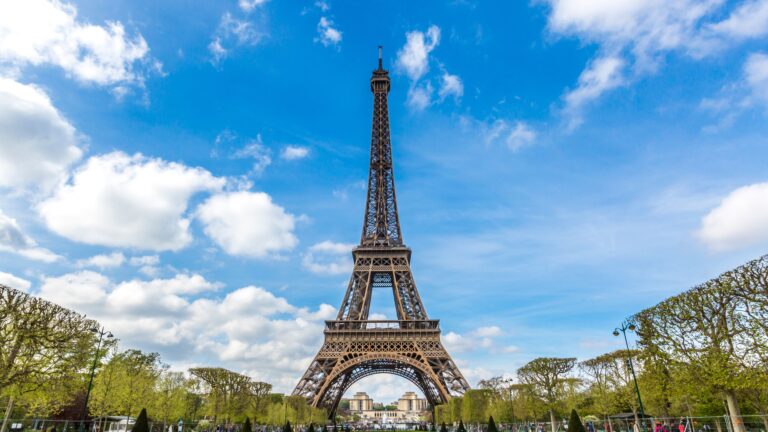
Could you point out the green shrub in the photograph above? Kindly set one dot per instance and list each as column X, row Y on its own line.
column 247, row 425
column 142, row 424
column 574, row 423
column 492, row 425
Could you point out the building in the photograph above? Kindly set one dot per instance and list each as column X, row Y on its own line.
column 360, row 402
column 410, row 402
column 410, row 409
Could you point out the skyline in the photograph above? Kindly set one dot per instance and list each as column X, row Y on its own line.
column 558, row 168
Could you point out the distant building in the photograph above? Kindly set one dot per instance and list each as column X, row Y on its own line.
column 410, row 408
column 360, row 402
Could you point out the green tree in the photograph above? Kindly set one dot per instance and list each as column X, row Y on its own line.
column 142, row 424
column 43, row 346
column 247, row 426
column 461, row 427
column 492, row 425
column 475, row 405
column 547, row 377
column 574, row 423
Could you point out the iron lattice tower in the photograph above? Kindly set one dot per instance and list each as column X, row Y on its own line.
column 356, row 347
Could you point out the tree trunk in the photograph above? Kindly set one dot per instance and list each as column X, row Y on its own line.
column 634, row 413
column 8, row 411
column 735, row 413
column 552, row 421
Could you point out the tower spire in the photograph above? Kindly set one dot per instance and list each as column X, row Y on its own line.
column 381, row 224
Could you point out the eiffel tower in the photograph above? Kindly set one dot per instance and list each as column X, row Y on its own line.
column 355, row 346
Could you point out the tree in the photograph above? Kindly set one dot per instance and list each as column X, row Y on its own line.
column 311, row 427
column 287, row 426
column 492, row 425
column 475, row 404
column 142, row 424
column 443, row 428
column 129, row 376
column 461, row 427
column 43, row 346
column 547, row 378
column 715, row 332
column 228, row 391
column 574, row 422
column 612, row 382
column 247, row 426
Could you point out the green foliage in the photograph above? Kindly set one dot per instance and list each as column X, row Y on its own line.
column 574, row 423
column 492, row 425
column 475, row 405
column 142, row 424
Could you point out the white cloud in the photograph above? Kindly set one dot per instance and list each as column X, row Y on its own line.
column 749, row 20
column 257, row 151
column 740, row 220
column 14, row 282
column 47, row 32
column 144, row 260
column 13, row 239
column 127, row 201
column 329, row 258
column 248, row 329
column 249, row 5
column 294, row 152
column 247, row 223
column 756, row 75
column 515, row 135
column 480, row 338
column 233, row 31
column 115, row 259
column 420, row 96
column 601, row 75
column 413, row 57
column 37, row 144
column 451, row 85
column 328, row 34
column 635, row 35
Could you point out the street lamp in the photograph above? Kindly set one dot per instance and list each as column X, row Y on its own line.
column 101, row 332
column 629, row 325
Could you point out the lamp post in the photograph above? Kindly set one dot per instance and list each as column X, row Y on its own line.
column 629, row 325
column 101, row 332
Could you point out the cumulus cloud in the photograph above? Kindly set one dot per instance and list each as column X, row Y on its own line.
column 14, row 282
column 13, row 239
column 47, row 32
column 234, row 32
column 328, row 35
column 740, row 220
column 103, row 261
column 247, row 329
column 37, row 144
column 636, row 35
column 294, row 152
column 247, row 223
column 480, row 338
column 106, row 202
column 329, row 258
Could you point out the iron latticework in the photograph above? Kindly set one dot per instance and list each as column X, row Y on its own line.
column 356, row 347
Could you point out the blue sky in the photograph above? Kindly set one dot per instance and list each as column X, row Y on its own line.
column 192, row 174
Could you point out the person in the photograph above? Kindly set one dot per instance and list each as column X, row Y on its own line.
column 635, row 427
column 590, row 426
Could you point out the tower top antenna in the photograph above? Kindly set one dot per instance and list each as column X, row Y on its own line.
column 380, row 67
